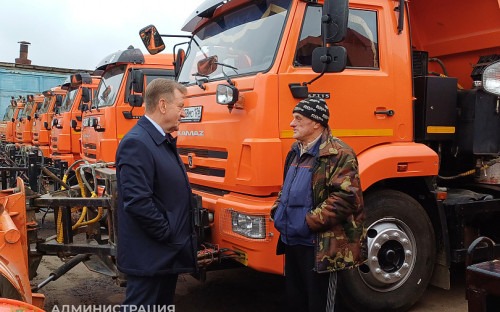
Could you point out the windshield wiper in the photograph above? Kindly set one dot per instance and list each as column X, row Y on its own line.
column 201, row 81
column 224, row 73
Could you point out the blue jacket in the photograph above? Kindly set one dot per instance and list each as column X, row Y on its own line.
column 155, row 226
column 296, row 199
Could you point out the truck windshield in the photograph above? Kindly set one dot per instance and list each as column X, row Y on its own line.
column 45, row 105
column 20, row 113
column 9, row 112
column 109, row 86
column 245, row 39
column 68, row 101
column 26, row 111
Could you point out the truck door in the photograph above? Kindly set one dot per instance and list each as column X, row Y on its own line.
column 367, row 100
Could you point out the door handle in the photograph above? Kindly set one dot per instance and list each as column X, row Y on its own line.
column 388, row 112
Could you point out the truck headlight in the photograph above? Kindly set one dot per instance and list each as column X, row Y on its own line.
column 248, row 226
column 226, row 94
column 491, row 78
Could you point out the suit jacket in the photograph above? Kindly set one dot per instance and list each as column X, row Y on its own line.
column 155, row 224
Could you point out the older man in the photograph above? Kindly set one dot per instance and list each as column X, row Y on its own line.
column 319, row 210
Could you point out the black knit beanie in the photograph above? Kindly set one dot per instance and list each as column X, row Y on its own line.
column 314, row 108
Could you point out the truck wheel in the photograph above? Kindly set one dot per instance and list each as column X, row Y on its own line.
column 401, row 255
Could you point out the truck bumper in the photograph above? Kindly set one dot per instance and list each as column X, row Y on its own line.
column 223, row 229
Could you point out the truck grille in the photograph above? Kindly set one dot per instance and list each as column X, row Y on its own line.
column 204, row 153
column 206, row 171
column 90, row 146
column 195, row 153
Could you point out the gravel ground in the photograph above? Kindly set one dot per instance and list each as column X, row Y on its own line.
column 235, row 290
column 230, row 290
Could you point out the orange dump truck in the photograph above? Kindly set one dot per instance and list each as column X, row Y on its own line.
column 10, row 128
column 8, row 115
column 411, row 86
column 26, row 117
column 66, row 123
column 43, row 122
column 119, row 102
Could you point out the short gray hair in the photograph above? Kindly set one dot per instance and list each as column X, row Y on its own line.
column 161, row 87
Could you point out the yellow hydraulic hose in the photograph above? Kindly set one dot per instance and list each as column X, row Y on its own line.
column 80, row 222
column 60, row 235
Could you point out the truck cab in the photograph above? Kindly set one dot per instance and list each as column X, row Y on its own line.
column 118, row 102
column 8, row 115
column 26, row 117
column 43, row 119
column 10, row 134
column 66, row 123
column 403, row 95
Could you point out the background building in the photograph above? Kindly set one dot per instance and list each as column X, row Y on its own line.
column 21, row 78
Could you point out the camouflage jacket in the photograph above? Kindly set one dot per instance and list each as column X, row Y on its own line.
column 337, row 215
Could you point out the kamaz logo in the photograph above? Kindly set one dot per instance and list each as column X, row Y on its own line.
column 191, row 133
column 190, row 161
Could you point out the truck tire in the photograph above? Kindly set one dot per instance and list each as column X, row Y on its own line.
column 401, row 255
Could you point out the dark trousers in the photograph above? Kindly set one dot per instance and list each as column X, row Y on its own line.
column 150, row 290
column 307, row 290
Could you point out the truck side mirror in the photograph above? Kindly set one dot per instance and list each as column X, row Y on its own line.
column 329, row 59
column 334, row 20
column 137, row 80
column 85, row 95
column 152, row 39
column 179, row 60
column 58, row 101
column 207, row 65
column 332, row 59
column 135, row 100
column 74, row 124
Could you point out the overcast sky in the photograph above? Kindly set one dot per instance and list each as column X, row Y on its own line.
column 78, row 34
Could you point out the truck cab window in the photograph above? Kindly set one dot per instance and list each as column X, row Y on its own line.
column 109, row 86
column 361, row 41
column 45, row 105
column 68, row 101
column 8, row 113
column 245, row 39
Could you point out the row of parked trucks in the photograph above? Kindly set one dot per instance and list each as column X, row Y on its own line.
column 413, row 87
column 46, row 139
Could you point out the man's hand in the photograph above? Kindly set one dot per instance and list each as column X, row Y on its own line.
column 323, row 217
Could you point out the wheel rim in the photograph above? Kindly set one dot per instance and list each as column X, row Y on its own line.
column 391, row 255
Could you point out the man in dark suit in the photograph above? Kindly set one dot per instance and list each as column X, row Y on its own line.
column 156, row 238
